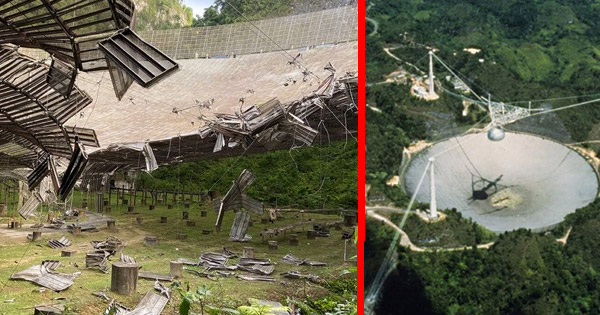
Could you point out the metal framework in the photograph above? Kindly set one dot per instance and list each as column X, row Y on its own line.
column 274, row 126
column 38, row 97
column 33, row 113
column 68, row 29
column 141, row 61
column 502, row 114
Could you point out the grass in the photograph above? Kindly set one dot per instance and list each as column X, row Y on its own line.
column 226, row 292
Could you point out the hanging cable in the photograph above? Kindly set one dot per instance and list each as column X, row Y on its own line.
column 373, row 292
column 468, row 158
column 553, row 99
column 565, row 107
column 455, row 75
column 282, row 50
column 95, row 100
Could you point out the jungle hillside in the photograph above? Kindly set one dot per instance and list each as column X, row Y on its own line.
column 511, row 51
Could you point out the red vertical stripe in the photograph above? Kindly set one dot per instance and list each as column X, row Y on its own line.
column 361, row 155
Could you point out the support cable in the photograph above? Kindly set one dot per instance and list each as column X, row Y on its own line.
column 383, row 272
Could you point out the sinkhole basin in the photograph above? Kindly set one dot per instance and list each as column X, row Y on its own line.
column 542, row 180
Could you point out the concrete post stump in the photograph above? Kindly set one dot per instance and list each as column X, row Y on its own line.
column 36, row 235
column 293, row 239
column 349, row 219
column 67, row 253
column 176, row 269
column 151, row 240
column 181, row 236
column 248, row 252
column 76, row 230
column 273, row 246
column 111, row 224
column 338, row 226
column 123, row 278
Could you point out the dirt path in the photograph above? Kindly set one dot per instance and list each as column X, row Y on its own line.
column 20, row 235
column 406, row 242
column 375, row 25
column 404, row 239
column 563, row 240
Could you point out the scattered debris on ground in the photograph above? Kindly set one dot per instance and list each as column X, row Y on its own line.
column 151, row 304
column 127, row 259
column 256, row 278
column 101, row 295
column 201, row 274
column 103, row 250
column 163, row 290
column 46, row 276
column 155, row 276
column 60, row 243
column 49, row 309
column 259, row 269
column 299, row 275
column 293, row 260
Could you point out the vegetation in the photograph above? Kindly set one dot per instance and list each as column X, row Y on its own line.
column 530, row 50
column 216, row 296
column 453, row 231
column 522, row 273
column 233, row 11
column 312, row 177
column 162, row 14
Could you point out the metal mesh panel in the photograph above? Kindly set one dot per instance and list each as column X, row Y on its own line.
column 290, row 32
column 61, row 77
column 120, row 80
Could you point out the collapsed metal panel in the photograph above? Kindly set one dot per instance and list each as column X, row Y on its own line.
column 245, row 179
column 239, row 227
column 151, row 304
column 44, row 275
column 268, row 125
column 251, row 205
column 62, row 242
column 76, row 166
column 299, row 131
column 29, row 207
column 69, row 30
column 61, row 76
column 242, row 202
column 32, row 111
column 120, row 79
column 141, row 61
column 39, row 172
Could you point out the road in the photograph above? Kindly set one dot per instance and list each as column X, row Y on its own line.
column 563, row 240
column 406, row 242
column 375, row 25
column 387, row 51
